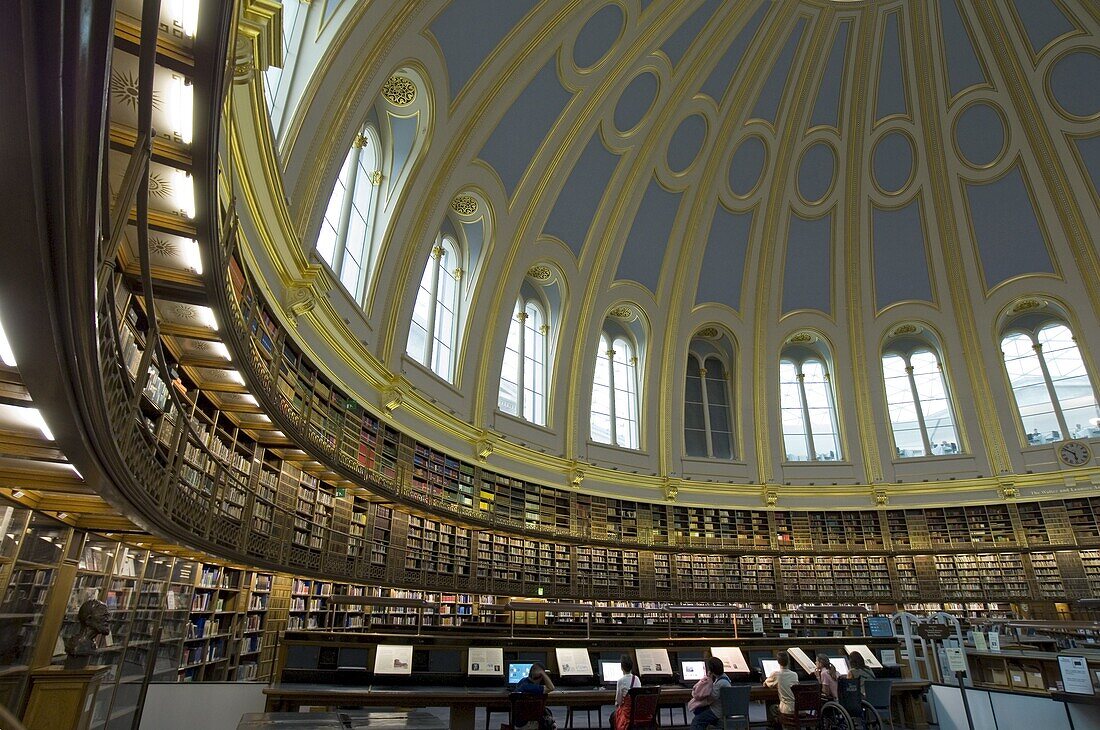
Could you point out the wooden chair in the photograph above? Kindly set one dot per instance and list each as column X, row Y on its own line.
column 643, row 707
column 807, row 707
column 524, row 707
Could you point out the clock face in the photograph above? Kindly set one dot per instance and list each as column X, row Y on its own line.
column 1074, row 453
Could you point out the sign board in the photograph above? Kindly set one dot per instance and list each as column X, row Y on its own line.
column 787, row 626
column 994, row 641
column 979, row 641
column 956, row 660
column 889, row 657
column 868, row 655
column 393, row 659
column 573, row 662
column 485, row 662
column 934, row 632
column 758, row 624
column 802, row 659
column 1075, row 675
column 653, row 661
column 732, row 658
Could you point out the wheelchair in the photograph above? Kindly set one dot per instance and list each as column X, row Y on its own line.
column 849, row 711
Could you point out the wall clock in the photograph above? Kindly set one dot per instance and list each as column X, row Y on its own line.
column 1074, row 453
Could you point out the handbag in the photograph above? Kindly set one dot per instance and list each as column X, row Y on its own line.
column 621, row 719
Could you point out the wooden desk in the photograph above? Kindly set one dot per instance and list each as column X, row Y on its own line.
column 464, row 701
column 366, row 719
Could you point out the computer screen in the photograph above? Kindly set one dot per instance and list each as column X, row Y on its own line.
column 880, row 626
column 768, row 666
column 610, row 672
column 302, row 657
column 445, row 661
column 841, row 665
column 517, row 671
column 693, row 670
column 353, row 658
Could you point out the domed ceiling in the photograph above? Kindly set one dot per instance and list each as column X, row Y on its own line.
column 762, row 172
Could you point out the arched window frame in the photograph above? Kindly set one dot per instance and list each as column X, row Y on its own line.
column 529, row 330
column 1034, row 334
column 798, row 362
column 441, row 292
column 705, row 395
column 617, row 356
column 906, row 350
column 354, row 219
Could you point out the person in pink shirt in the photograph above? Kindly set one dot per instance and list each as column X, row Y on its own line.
column 826, row 675
column 706, row 700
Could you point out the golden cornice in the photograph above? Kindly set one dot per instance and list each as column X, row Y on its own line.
column 261, row 22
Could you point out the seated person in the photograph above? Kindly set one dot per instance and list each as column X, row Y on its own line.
column 783, row 679
column 857, row 669
column 706, row 700
column 826, row 675
column 627, row 682
column 537, row 682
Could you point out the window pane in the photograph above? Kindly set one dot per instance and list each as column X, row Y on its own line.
column 445, row 325
column 508, row 402
column 795, row 442
column 1071, row 381
column 903, row 411
column 1029, row 388
column 695, row 442
column 939, row 418
column 418, row 332
column 626, row 395
column 600, row 428
column 822, row 411
column 534, row 364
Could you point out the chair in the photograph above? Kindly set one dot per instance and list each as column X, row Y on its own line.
column 807, row 707
column 524, row 707
column 643, row 707
column 877, row 693
column 735, row 706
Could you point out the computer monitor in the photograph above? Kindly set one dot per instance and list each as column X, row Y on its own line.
column 693, row 670
column 518, row 670
column 841, row 665
column 769, row 666
column 880, row 626
column 353, row 658
column 610, row 672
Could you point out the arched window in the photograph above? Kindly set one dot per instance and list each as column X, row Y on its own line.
column 523, row 374
column 615, row 409
column 921, row 416
column 433, row 334
column 1054, row 396
column 348, row 227
column 808, row 408
column 708, row 422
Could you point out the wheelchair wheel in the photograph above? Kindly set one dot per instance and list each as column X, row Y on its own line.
column 835, row 717
column 871, row 718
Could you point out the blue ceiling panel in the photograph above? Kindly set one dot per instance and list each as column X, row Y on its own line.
column 686, row 142
column 901, row 263
column 524, row 126
column 1043, row 21
column 816, row 172
column 827, row 103
column 719, row 79
column 893, row 162
column 1075, row 83
column 721, row 277
column 597, row 36
column 775, row 87
column 963, row 68
column 1009, row 237
column 980, row 134
column 636, row 100
column 746, row 165
column 807, row 276
column 1089, row 149
column 891, row 76
column 474, row 233
column 403, row 130
column 678, row 43
column 644, row 252
column 467, row 32
column 579, row 199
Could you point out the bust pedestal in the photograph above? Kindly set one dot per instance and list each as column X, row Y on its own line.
column 62, row 698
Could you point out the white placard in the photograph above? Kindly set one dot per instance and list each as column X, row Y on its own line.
column 393, row 659
column 1075, row 675
column 802, row 658
column 485, row 662
column 890, row 657
column 758, row 624
column 653, row 661
column 994, row 641
column 732, row 658
column 868, row 655
column 787, row 625
column 956, row 660
column 979, row 641
column 573, row 662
